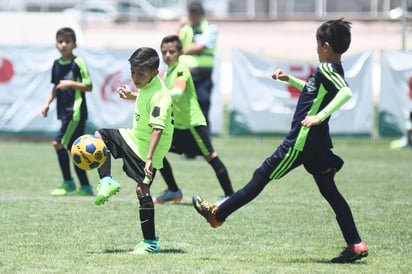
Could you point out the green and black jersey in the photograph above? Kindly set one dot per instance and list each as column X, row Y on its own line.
column 71, row 104
column 153, row 109
column 324, row 91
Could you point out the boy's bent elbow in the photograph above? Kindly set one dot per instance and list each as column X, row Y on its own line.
column 88, row 88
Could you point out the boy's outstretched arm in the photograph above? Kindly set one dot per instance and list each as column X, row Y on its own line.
column 282, row 76
column 125, row 92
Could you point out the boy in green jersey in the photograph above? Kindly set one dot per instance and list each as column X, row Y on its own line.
column 199, row 39
column 142, row 147
column 191, row 135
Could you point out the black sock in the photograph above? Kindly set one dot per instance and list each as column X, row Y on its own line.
column 167, row 175
column 147, row 221
column 222, row 175
column 82, row 175
column 105, row 169
column 329, row 191
column 64, row 162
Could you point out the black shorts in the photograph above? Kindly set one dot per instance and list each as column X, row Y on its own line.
column 133, row 166
column 193, row 142
column 286, row 158
column 69, row 131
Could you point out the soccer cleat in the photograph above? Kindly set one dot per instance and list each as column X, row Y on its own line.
column 106, row 188
column 84, row 191
column 67, row 187
column 169, row 196
column 147, row 247
column 352, row 253
column 207, row 210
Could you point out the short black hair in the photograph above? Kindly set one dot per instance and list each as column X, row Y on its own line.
column 67, row 32
column 145, row 58
column 195, row 7
column 172, row 39
column 336, row 33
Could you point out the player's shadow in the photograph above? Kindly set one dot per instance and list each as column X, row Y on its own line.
column 119, row 251
column 109, row 251
column 317, row 261
column 173, row 251
column 182, row 204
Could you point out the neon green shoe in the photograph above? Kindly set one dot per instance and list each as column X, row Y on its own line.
column 84, row 191
column 147, row 247
column 106, row 188
column 67, row 187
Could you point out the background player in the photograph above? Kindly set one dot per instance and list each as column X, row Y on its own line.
column 190, row 136
column 199, row 39
column 71, row 80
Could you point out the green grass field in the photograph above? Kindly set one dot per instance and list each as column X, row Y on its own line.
column 289, row 228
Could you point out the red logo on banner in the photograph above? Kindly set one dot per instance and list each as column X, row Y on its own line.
column 6, row 70
column 301, row 73
column 111, row 83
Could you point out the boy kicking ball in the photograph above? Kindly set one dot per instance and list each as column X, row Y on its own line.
column 143, row 146
column 308, row 142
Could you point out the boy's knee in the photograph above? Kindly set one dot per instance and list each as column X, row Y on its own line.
column 260, row 175
column 142, row 190
column 337, row 163
column 328, row 164
column 146, row 202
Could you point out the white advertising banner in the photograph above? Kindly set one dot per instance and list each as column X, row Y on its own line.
column 395, row 102
column 25, row 75
column 260, row 105
column 24, row 91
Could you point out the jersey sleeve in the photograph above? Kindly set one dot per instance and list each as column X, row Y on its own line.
column 333, row 78
column 84, row 72
column 337, row 84
column 160, row 106
column 296, row 82
column 180, row 82
column 337, row 102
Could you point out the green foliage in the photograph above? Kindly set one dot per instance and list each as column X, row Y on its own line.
column 288, row 228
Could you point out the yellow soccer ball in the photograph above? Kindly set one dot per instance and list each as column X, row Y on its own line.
column 88, row 152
